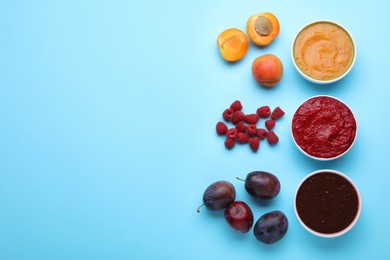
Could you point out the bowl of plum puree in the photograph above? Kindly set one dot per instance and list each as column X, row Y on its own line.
column 324, row 128
column 327, row 203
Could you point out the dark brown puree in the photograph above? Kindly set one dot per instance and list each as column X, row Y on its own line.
column 327, row 202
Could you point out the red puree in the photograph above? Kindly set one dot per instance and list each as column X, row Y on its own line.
column 324, row 127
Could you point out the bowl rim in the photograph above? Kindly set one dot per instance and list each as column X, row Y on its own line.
column 317, row 81
column 322, row 158
column 354, row 221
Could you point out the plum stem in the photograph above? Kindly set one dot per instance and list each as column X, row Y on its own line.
column 198, row 210
column 238, row 178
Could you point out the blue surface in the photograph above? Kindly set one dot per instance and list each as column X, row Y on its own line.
column 107, row 116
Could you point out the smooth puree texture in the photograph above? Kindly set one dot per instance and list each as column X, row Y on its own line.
column 327, row 202
column 324, row 127
column 323, row 51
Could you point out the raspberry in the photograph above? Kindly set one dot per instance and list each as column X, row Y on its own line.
column 228, row 114
column 277, row 113
column 251, row 118
column 237, row 117
column 261, row 133
column 236, row 106
column 263, row 111
column 241, row 127
column 269, row 124
column 244, row 128
column 232, row 133
column 229, row 143
column 251, row 130
column 242, row 138
column 254, row 143
column 221, row 128
column 272, row 138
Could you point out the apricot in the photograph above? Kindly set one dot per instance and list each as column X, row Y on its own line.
column 262, row 28
column 232, row 44
column 267, row 70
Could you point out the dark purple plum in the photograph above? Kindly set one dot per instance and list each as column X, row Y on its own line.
column 219, row 195
column 239, row 216
column 262, row 185
column 271, row 227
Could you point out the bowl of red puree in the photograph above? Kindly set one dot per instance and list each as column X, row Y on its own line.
column 327, row 203
column 324, row 128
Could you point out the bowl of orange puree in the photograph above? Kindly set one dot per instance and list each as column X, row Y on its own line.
column 323, row 52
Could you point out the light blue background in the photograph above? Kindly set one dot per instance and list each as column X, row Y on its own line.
column 107, row 140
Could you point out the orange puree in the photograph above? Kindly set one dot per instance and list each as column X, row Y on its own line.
column 323, row 51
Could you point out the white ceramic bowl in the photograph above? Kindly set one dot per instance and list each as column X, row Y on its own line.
column 312, row 155
column 325, row 81
column 316, row 209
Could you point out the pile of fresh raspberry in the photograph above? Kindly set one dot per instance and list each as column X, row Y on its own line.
column 245, row 128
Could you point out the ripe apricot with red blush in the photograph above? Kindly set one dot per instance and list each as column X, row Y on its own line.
column 267, row 70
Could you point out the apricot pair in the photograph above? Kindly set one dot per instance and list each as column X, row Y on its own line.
column 262, row 29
